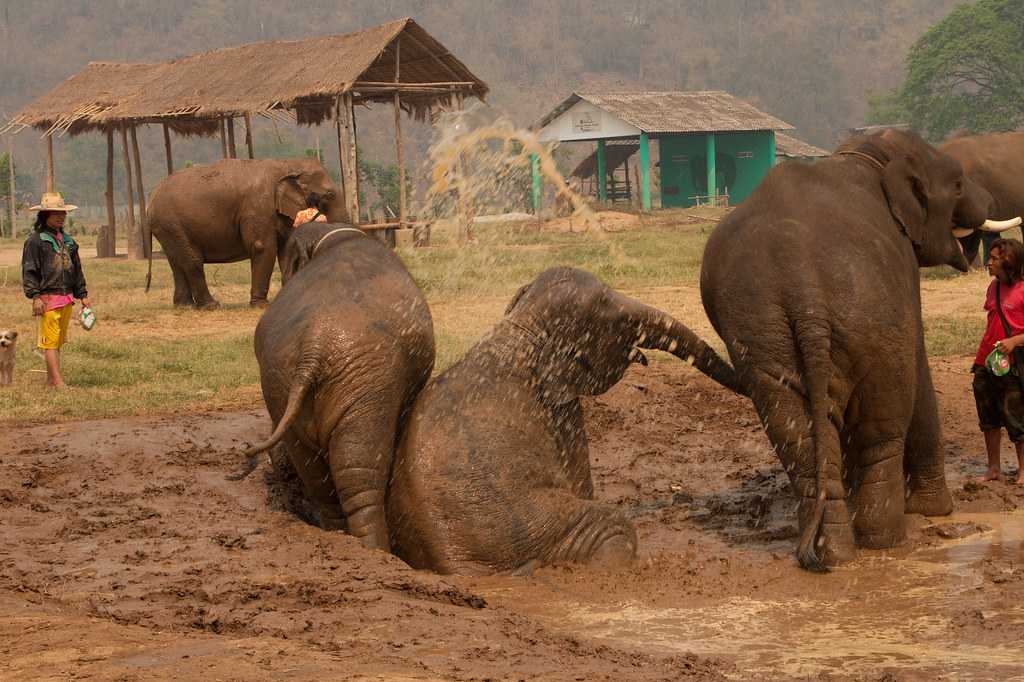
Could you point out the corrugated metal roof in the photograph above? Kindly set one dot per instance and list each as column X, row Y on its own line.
column 676, row 112
column 789, row 146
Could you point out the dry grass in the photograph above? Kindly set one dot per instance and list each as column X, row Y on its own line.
column 147, row 357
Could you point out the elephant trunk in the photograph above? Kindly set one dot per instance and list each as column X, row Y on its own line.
column 662, row 332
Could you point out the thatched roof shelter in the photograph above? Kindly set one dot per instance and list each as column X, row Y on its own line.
column 787, row 146
column 304, row 76
column 306, row 81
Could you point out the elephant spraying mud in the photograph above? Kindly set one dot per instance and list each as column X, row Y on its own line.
column 493, row 470
column 343, row 350
column 813, row 284
column 229, row 211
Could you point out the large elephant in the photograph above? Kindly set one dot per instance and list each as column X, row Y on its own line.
column 343, row 350
column 493, row 470
column 229, row 211
column 813, row 284
column 992, row 162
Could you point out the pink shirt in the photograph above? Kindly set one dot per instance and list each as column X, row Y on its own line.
column 57, row 301
column 1012, row 298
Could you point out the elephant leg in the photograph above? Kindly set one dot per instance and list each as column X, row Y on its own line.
column 182, row 292
column 786, row 419
column 877, row 494
column 570, row 529
column 315, row 474
column 361, row 449
column 261, row 269
column 196, row 276
column 927, row 492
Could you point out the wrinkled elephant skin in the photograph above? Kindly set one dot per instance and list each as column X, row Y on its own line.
column 813, row 285
column 229, row 211
column 343, row 350
column 493, row 470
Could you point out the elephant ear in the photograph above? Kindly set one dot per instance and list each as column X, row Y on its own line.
column 289, row 196
column 906, row 189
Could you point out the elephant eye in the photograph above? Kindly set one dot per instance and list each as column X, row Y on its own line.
column 959, row 186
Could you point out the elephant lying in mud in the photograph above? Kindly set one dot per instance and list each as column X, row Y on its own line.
column 229, row 211
column 493, row 470
column 343, row 350
column 813, row 284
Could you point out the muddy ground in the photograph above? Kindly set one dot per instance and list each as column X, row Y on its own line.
column 126, row 554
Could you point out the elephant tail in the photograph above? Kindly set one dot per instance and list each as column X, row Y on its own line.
column 814, row 347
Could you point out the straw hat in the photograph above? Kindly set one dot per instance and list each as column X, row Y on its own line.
column 53, row 201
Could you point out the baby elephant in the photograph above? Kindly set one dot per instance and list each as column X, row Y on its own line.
column 493, row 471
column 343, row 350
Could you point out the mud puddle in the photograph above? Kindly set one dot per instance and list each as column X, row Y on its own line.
column 881, row 613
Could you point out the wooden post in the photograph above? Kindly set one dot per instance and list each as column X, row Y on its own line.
column 248, row 135
column 772, row 151
column 223, row 140
column 629, row 190
column 112, row 233
column 602, row 171
column 342, row 151
column 636, row 181
column 353, row 160
column 167, row 149
column 49, row 163
column 12, row 214
column 398, row 138
column 645, row 172
column 133, row 234
column 144, row 231
column 232, row 150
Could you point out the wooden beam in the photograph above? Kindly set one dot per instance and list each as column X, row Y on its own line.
column 132, row 233
column 398, row 137
column 437, row 59
column 397, row 84
column 111, row 221
column 142, row 197
column 223, row 140
column 248, row 135
column 11, row 212
column 232, row 149
column 167, row 149
column 49, row 163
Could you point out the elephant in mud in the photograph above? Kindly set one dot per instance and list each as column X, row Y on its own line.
column 813, row 285
column 229, row 211
column 493, row 473
column 992, row 162
column 343, row 350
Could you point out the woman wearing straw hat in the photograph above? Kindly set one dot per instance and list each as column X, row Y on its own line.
column 51, row 274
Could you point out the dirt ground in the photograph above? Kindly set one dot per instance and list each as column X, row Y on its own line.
column 128, row 555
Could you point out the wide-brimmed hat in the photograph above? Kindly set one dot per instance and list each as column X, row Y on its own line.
column 53, row 201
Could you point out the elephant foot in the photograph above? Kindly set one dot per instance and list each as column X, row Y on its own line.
column 212, row 304
column 834, row 544
column 330, row 519
column 884, row 538
column 263, row 303
column 184, row 304
column 930, row 503
column 376, row 539
column 615, row 552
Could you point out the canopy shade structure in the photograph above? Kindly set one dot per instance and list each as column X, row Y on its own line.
column 305, row 76
column 303, row 81
column 789, row 147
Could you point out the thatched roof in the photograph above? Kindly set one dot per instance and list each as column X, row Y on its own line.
column 305, row 76
column 790, row 147
column 676, row 112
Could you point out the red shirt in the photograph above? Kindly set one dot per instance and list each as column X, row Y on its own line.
column 1012, row 298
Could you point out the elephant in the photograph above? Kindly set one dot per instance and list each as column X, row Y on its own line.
column 992, row 162
column 492, row 473
column 343, row 350
column 813, row 285
column 230, row 211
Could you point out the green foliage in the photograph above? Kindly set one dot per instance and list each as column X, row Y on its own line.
column 967, row 71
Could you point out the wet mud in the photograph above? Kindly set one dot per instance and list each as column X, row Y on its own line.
column 127, row 554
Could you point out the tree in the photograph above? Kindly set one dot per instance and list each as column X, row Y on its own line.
column 967, row 71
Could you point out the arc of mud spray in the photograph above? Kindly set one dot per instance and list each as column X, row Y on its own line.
column 446, row 155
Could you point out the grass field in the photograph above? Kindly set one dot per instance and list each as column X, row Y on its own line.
column 145, row 356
